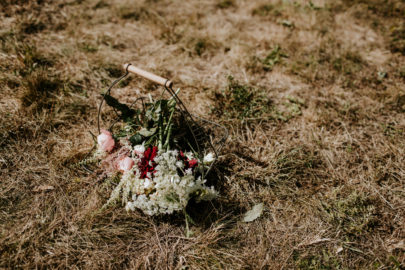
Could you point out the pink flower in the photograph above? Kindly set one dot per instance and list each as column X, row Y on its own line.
column 105, row 140
column 125, row 164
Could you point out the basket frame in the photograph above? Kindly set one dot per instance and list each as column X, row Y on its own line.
column 190, row 119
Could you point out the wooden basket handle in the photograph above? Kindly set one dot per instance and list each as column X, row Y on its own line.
column 150, row 76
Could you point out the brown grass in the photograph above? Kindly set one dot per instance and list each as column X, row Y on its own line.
column 317, row 131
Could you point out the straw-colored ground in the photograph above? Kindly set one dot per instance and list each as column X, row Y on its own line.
column 316, row 113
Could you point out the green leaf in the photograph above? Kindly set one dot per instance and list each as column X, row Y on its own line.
column 147, row 132
column 172, row 197
column 254, row 213
column 126, row 112
column 159, row 107
column 135, row 139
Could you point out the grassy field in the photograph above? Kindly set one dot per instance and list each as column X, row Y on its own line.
column 313, row 94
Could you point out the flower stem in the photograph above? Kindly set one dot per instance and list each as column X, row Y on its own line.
column 188, row 232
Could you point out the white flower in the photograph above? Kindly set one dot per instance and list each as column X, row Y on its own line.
column 147, row 183
column 189, row 155
column 139, row 149
column 129, row 206
column 180, row 164
column 171, row 189
column 209, row 158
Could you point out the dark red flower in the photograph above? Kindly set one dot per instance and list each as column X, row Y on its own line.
column 147, row 164
column 182, row 156
column 188, row 163
column 192, row 163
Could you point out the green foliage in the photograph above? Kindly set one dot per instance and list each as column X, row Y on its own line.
column 313, row 7
column 135, row 13
column 354, row 214
column 289, row 109
column 241, row 101
column 136, row 139
column 324, row 260
column 200, row 47
column 87, row 47
column 402, row 72
column 296, row 165
column 226, row 4
column 172, row 197
column 32, row 60
column 267, row 9
column 397, row 43
column 32, row 26
column 392, row 130
column 273, row 58
column 154, row 124
column 101, row 4
column 39, row 90
column 348, row 63
column 329, row 65
column 383, row 8
column 203, row 46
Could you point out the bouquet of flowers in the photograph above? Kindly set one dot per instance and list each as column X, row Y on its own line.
column 151, row 158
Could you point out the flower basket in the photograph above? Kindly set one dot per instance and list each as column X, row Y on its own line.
column 155, row 151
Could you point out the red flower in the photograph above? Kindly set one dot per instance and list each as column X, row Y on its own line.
column 192, row 163
column 182, row 156
column 147, row 164
column 188, row 163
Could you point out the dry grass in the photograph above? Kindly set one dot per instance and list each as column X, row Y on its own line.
column 315, row 111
